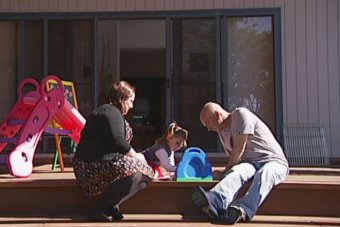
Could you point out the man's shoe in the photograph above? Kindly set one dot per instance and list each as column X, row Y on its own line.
column 234, row 215
column 223, row 217
column 202, row 201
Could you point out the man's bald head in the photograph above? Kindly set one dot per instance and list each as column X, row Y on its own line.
column 213, row 116
column 209, row 109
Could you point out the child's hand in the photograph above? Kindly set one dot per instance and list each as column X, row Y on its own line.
column 173, row 175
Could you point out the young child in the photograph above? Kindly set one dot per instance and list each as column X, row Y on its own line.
column 161, row 155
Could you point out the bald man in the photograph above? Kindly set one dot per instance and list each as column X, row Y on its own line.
column 254, row 154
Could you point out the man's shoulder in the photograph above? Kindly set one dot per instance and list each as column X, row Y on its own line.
column 244, row 114
column 241, row 110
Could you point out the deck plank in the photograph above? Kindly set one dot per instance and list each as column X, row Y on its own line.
column 313, row 192
column 139, row 220
column 324, row 178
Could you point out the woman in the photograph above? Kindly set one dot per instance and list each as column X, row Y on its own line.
column 106, row 166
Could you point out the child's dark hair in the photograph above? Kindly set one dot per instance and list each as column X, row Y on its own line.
column 174, row 130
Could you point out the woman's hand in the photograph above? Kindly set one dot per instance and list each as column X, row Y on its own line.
column 134, row 154
column 140, row 157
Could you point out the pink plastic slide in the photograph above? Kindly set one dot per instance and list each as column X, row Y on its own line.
column 13, row 123
column 29, row 119
column 69, row 118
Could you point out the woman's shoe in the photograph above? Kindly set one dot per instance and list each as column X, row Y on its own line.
column 97, row 217
column 116, row 213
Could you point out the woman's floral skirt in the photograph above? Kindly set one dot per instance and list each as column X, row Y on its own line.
column 95, row 177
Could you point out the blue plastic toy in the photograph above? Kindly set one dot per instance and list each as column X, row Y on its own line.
column 194, row 166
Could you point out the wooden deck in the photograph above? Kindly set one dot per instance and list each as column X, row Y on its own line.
column 136, row 220
column 323, row 178
column 310, row 197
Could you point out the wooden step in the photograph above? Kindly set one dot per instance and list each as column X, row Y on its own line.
column 152, row 220
column 305, row 193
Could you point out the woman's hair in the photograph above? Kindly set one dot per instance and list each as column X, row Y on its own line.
column 174, row 130
column 119, row 92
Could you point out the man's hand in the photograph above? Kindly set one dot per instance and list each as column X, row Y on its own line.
column 240, row 143
column 218, row 174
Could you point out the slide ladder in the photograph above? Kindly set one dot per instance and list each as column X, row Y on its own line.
column 30, row 117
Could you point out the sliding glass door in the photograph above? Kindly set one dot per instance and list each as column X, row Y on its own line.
column 249, row 65
column 193, row 79
column 225, row 59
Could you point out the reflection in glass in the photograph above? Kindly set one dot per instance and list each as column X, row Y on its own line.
column 194, row 77
column 134, row 51
column 251, row 66
column 33, row 49
column 69, row 56
column 108, row 55
column 8, row 66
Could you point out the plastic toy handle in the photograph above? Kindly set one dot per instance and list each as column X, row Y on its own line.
column 193, row 151
column 44, row 84
column 25, row 82
column 48, row 93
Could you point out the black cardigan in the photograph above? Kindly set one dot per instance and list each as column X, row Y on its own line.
column 103, row 133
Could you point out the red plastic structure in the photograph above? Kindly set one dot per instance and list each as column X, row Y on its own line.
column 29, row 118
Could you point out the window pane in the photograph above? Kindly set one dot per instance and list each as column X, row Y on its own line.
column 33, row 50
column 108, row 55
column 8, row 66
column 69, row 57
column 194, row 77
column 250, row 75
